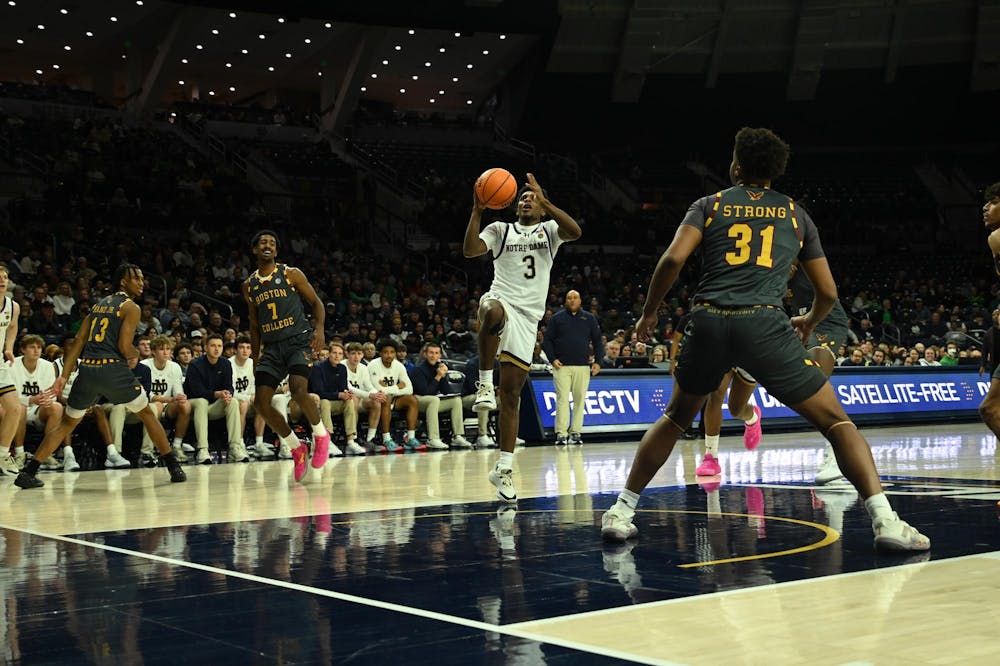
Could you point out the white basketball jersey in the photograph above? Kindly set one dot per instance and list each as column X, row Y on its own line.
column 5, row 314
column 29, row 384
column 243, row 382
column 522, row 262
column 167, row 382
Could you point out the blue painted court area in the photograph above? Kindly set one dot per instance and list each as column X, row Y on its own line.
column 444, row 584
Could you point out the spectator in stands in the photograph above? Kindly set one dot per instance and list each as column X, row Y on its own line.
column 459, row 339
column 430, row 387
column 63, row 299
column 328, row 381
column 937, row 329
column 171, row 312
column 612, row 350
column 572, row 342
column 930, row 356
column 856, row 359
column 878, row 359
column 369, row 352
column 950, row 356
column 208, row 385
column 659, row 354
column 44, row 322
column 148, row 324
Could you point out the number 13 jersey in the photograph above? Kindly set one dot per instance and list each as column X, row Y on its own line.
column 751, row 236
column 522, row 262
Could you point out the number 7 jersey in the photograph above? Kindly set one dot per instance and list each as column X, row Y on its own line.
column 522, row 262
column 751, row 236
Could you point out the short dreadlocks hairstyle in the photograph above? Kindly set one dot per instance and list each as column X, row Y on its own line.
column 760, row 153
column 125, row 270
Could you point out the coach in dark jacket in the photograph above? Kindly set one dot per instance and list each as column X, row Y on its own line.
column 208, row 385
column 572, row 340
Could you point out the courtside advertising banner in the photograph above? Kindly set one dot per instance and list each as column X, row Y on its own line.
column 638, row 398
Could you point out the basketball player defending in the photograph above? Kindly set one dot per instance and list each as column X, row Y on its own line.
column 989, row 409
column 278, row 320
column 751, row 235
column 104, row 349
column 523, row 252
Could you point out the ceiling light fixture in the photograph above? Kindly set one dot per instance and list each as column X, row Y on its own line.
column 427, row 64
column 211, row 92
column 374, row 76
column 415, row 77
column 89, row 34
column 180, row 83
column 229, row 64
column 67, row 48
column 308, row 41
column 327, row 25
column 402, row 90
column 454, row 79
column 281, row 19
column 114, row 19
column 503, row 36
column 412, row 31
column 20, row 41
column 469, row 66
column 232, row 14
column 398, row 47
column 244, row 51
column 458, row 34
column 385, row 62
column 261, row 36
column 288, row 55
column 233, row 89
column 37, row 71
column 364, row 89
column 432, row 100
column 55, row 66
column 486, row 52
column 41, row 27
column 468, row 101
column 440, row 92
column 64, row 11
column 270, row 68
column 441, row 50
column 199, row 47
column 215, row 31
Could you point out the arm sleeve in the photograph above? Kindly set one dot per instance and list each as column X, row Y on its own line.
column 548, row 342
column 176, row 379
column 48, row 377
column 226, row 376
column 595, row 340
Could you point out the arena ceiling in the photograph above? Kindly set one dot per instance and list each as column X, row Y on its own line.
column 452, row 54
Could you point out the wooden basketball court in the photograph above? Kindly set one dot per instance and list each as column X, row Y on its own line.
column 410, row 558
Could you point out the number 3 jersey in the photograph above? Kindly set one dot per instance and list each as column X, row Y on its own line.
column 522, row 262
column 751, row 236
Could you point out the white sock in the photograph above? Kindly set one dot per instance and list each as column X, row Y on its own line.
column 319, row 429
column 752, row 419
column 712, row 445
column 506, row 460
column 258, row 441
column 878, row 506
column 486, row 377
column 411, row 434
column 370, row 435
column 177, row 442
column 628, row 498
column 291, row 440
column 112, row 451
column 386, row 437
column 18, row 450
column 352, row 439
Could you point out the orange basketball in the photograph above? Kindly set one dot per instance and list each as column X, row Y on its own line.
column 496, row 188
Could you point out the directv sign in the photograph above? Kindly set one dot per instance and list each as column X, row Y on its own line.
column 621, row 400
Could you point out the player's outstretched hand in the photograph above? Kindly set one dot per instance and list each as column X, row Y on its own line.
column 533, row 185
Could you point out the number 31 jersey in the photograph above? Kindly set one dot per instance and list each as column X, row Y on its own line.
column 751, row 236
column 522, row 262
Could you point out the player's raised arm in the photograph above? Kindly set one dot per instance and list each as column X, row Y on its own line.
column 569, row 230
column 473, row 245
